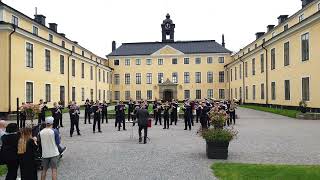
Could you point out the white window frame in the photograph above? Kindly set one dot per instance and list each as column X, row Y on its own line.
column 160, row 61
column 149, row 61
column 301, row 17
column 33, row 52
column 305, row 76
column 45, row 60
column 45, row 90
column 138, row 61
column 25, row 90
column 127, row 62
column 33, row 28
column 12, row 20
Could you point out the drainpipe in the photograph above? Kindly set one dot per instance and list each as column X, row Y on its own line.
column 68, row 94
column 96, row 81
column 243, row 83
column 267, row 80
column 10, row 63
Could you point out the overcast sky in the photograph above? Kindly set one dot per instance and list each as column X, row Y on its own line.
column 95, row 23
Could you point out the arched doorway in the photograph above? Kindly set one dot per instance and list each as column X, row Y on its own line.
column 167, row 95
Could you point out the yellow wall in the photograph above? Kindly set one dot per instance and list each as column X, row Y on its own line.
column 4, row 70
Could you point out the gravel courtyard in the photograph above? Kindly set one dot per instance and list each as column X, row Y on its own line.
column 176, row 154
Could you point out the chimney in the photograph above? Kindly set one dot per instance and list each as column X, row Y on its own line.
column 282, row 18
column 75, row 42
column 114, row 46
column 259, row 34
column 223, row 43
column 306, row 2
column 62, row 34
column 270, row 27
column 53, row 27
column 41, row 19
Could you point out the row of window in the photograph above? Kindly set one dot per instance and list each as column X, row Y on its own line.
column 30, row 93
column 286, row 58
column 149, row 95
column 127, row 62
column 30, row 57
column 127, row 78
column 305, row 93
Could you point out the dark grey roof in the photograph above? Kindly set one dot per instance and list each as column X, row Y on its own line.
column 186, row 47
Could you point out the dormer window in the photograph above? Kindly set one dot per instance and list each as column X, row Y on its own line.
column 73, row 49
column 82, row 53
column 301, row 17
column 15, row 20
column 63, row 44
column 50, row 37
column 35, row 30
column 285, row 27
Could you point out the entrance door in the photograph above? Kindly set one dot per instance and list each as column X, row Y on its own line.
column 167, row 95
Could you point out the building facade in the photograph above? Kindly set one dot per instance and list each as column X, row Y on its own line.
column 281, row 66
column 37, row 62
column 169, row 69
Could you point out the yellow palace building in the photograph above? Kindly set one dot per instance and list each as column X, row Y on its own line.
column 37, row 62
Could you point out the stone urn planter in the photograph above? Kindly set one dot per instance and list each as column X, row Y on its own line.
column 217, row 150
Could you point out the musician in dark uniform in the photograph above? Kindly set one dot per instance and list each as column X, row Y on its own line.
column 166, row 115
column 137, row 106
column 61, row 107
column 96, row 109
column 74, row 112
column 204, row 118
column 104, row 113
column 121, row 115
column 187, row 114
column 174, row 111
column 198, row 111
column 130, row 109
column 56, row 114
column 42, row 114
column 154, row 106
column 23, row 116
column 158, row 113
column 87, row 111
column 117, row 114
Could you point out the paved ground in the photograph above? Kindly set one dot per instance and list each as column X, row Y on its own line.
column 178, row 154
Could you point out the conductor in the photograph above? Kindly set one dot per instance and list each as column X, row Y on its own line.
column 142, row 116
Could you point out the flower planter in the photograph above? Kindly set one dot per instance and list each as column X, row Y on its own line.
column 303, row 109
column 217, row 150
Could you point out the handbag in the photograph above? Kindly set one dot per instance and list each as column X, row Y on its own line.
column 149, row 123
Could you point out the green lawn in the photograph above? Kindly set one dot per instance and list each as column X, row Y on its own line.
column 236, row 171
column 3, row 170
column 284, row 112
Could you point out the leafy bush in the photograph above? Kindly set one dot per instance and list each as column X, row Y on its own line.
column 219, row 135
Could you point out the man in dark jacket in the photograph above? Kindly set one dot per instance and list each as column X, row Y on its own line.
column 143, row 116
column 87, row 111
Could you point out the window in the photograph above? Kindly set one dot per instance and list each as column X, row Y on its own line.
column 82, row 70
column 160, row 61
column 108, row 76
column 231, row 93
column 160, row 78
column 149, row 94
column 305, row 46
column 138, row 78
column 15, row 20
column 50, row 37
column 73, row 94
column 249, row 50
column 273, row 59
column 186, row 60
column 231, row 75
column 62, row 94
column 47, row 60
column 127, row 78
column 273, row 34
column 91, row 72
column 174, row 61
column 285, row 27
column 35, row 30
column 198, row 94
column 29, row 55
column 240, row 71
column 127, row 95
column 117, row 95
column 209, row 60
column 186, row 94
column 246, row 69
column 221, row 60
column 103, row 76
column 149, row 78
column 198, row 77
column 209, row 77
column 82, row 53
column 99, row 94
column 116, row 62
column 247, row 93
column 255, row 45
column 61, row 64
column 198, row 60
column 63, row 44
column 253, row 67
column 99, row 75
column 175, row 77
column 262, row 62
column 240, row 92
column 210, row 93
column 116, row 79
column 82, row 94
column 73, row 49
column 149, row 61
column 29, row 92
column 235, row 73
column 262, row 91
column 301, row 17
column 104, row 95
column 305, row 89
column 73, row 68
column 221, row 77
column 254, row 92
column 319, row 7
column 236, row 93
column 138, row 95
column 273, row 90
column 138, row 61
column 109, row 95
column 127, row 62
column 91, row 94
column 286, row 54
column 186, row 77
column 287, row 90
column 222, row 94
